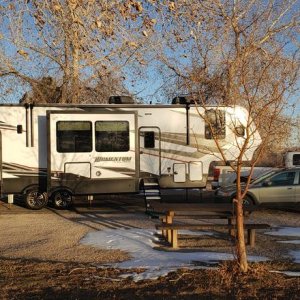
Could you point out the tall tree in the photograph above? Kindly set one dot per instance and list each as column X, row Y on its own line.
column 235, row 52
column 79, row 43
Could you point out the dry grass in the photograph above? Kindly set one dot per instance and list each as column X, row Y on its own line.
column 20, row 279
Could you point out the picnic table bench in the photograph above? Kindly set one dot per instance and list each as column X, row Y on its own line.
column 170, row 231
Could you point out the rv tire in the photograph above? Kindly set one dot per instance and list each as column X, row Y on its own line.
column 61, row 199
column 34, row 199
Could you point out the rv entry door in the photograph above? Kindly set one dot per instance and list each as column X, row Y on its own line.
column 150, row 151
column 179, row 171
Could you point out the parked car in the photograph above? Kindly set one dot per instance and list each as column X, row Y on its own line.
column 279, row 187
column 224, row 175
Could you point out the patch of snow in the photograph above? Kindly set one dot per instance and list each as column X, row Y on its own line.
column 291, row 273
column 285, row 231
column 288, row 273
column 296, row 255
column 290, row 232
column 139, row 244
column 295, row 242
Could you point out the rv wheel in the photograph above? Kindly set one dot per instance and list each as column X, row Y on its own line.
column 35, row 199
column 62, row 199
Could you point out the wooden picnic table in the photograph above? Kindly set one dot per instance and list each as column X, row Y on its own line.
column 202, row 211
column 186, row 210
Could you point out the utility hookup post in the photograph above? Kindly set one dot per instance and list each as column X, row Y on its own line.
column 187, row 195
column 90, row 199
column 10, row 200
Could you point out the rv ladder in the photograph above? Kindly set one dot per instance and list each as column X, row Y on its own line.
column 151, row 189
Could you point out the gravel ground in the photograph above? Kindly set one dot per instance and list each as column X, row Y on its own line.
column 41, row 257
column 54, row 235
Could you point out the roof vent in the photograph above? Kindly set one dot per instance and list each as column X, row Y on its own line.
column 179, row 100
column 188, row 99
column 120, row 100
column 183, row 100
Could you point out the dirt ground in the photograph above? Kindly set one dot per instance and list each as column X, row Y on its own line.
column 27, row 279
column 41, row 258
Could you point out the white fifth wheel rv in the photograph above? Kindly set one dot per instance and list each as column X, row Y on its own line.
column 57, row 151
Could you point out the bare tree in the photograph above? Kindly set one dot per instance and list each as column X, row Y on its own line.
column 48, row 90
column 233, row 53
column 78, row 43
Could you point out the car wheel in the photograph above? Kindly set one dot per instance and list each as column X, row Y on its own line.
column 62, row 199
column 247, row 201
column 34, row 199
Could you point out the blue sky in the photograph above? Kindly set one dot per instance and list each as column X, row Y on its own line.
column 146, row 88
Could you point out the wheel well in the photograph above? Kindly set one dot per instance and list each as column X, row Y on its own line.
column 52, row 192
column 249, row 195
column 31, row 187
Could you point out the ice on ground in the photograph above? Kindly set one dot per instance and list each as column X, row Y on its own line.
column 289, row 232
column 139, row 244
column 296, row 242
column 285, row 231
column 288, row 273
column 296, row 255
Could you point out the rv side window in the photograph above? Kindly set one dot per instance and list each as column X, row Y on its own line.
column 74, row 136
column 215, row 124
column 296, row 159
column 149, row 139
column 112, row 136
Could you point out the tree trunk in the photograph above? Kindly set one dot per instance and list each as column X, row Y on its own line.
column 75, row 69
column 241, row 248
column 66, row 76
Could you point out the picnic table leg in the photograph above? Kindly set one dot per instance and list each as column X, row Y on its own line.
column 251, row 237
column 169, row 220
column 174, row 242
column 231, row 230
column 163, row 231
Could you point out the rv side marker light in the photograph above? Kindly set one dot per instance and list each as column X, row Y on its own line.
column 19, row 129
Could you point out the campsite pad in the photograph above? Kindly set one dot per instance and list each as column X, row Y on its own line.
column 42, row 258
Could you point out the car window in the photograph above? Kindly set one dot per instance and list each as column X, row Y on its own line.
column 284, row 178
column 263, row 177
